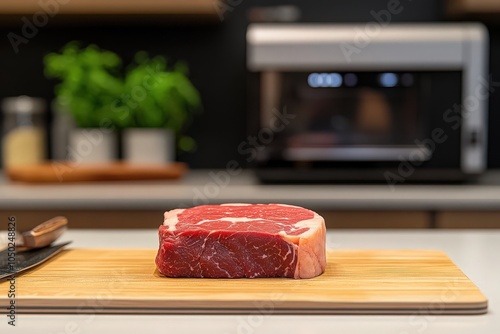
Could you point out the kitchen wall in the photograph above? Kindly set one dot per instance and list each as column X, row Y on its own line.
column 216, row 55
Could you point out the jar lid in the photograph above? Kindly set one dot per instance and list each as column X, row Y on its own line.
column 23, row 104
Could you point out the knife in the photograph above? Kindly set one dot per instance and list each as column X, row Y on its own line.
column 28, row 259
column 32, row 247
column 41, row 235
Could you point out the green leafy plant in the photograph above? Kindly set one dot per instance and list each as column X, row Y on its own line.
column 159, row 97
column 149, row 95
column 90, row 83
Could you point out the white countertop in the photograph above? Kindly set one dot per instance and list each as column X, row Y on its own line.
column 200, row 187
column 477, row 253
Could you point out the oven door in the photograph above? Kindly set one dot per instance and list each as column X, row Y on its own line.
column 361, row 124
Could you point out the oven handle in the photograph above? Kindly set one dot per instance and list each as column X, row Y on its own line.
column 358, row 153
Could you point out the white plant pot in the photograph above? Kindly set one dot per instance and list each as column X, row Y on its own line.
column 149, row 146
column 92, row 145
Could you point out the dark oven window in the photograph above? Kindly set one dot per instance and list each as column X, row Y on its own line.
column 354, row 116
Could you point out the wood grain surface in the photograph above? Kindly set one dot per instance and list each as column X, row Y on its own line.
column 178, row 7
column 355, row 282
column 63, row 172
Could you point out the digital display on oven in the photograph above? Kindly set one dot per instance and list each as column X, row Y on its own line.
column 334, row 80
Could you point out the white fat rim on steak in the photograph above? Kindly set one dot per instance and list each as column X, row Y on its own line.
column 171, row 220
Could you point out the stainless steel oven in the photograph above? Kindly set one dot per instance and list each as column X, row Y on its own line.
column 397, row 103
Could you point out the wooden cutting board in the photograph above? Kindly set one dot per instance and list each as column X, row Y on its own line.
column 355, row 282
column 63, row 172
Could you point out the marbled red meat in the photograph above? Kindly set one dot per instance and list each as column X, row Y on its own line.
column 242, row 241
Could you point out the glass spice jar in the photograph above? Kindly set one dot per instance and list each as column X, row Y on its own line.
column 24, row 139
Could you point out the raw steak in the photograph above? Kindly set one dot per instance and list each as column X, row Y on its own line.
column 242, row 240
